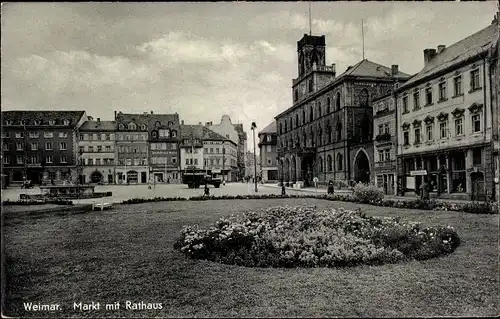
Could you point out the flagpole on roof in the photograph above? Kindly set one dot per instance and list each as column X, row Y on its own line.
column 363, row 36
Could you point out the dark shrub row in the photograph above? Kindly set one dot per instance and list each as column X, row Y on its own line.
column 37, row 202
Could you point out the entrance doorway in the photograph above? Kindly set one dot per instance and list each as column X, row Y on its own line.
column 132, row 177
column 307, row 170
column 478, row 191
column 96, row 177
column 362, row 168
column 143, row 178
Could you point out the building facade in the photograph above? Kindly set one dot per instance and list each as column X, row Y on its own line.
column 236, row 134
column 40, row 146
column 268, row 153
column 327, row 133
column 191, row 149
column 132, row 136
column 445, row 121
column 220, row 156
column 495, row 78
column 164, row 134
column 385, row 143
column 97, row 152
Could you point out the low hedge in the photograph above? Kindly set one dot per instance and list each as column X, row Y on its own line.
column 473, row 207
column 37, row 202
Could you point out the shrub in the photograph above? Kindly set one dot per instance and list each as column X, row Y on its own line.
column 365, row 193
column 480, row 208
column 37, row 202
column 305, row 237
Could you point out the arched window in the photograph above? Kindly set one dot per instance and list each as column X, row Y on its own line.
column 121, row 126
column 170, row 124
column 330, row 163
column 173, row 133
column 143, row 127
column 311, row 85
column 320, row 165
column 337, row 101
column 286, row 126
column 291, row 123
column 297, row 120
column 319, row 110
column 339, row 132
column 329, row 132
column 132, row 126
column 328, row 105
column 154, row 134
column 339, row 162
column 311, row 118
column 303, row 116
column 281, row 128
column 320, row 136
column 313, row 140
column 363, row 98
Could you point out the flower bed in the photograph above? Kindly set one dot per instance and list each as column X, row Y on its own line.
column 473, row 207
column 301, row 236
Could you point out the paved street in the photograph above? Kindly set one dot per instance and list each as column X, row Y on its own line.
column 121, row 193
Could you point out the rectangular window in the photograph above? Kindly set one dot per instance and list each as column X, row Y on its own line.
column 34, row 146
column 380, row 129
column 474, row 80
column 195, row 161
column 99, row 148
column 19, row 146
column 405, row 104
column 187, row 161
column 20, row 159
column 108, row 148
column 476, row 123
column 457, row 84
column 5, row 146
column 269, row 149
column 442, row 91
column 429, row 132
column 428, row 96
column 34, row 134
column 417, row 135
column 387, row 155
column 48, row 146
column 386, row 128
column 6, row 160
column 6, row 135
column 129, row 161
column 19, row 135
column 34, row 159
column 459, row 127
column 380, row 156
column 48, row 134
column 97, row 161
column 63, row 134
column 62, row 146
column 136, row 161
column 64, row 159
column 443, row 127
column 91, row 149
column 477, row 156
column 217, row 150
column 416, row 100
column 49, row 160
column 406, row 138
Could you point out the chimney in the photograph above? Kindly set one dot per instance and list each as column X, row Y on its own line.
column 334, row 69
column 151, row 111
column 98, row 120
column 394, row 70
column 89, row 118
column 115, row 115
column 429, row 54
column 199, row 123
column 441, row 47
column 495, row 19
column 182, row 122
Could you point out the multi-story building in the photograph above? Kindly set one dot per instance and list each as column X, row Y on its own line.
column 132, row 136
column 96, row 151
column 164, row 133
column 444, row 119
column 495, row 78
column 235, row 133
column 268, row 153
column 327, row 132
column 220, row 156
column 191, row 148
column 40, row 146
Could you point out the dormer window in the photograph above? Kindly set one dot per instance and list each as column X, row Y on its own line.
column 154, row 134
column 66, row 122
column 52, row 122
column 132, row 126
column 121, row 126
column 157, row 124
column 174, row 133
column 170, row 123
column 38, row 122
column 143, row 127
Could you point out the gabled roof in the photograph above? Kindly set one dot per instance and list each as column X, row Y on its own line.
column 148, row 119
column 194, row 131
column 43, row 116
column 366, row 68
column 98, row 126
column 470, row 47
column 271, row 128
column 208, row 134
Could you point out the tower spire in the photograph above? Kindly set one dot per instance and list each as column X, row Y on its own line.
column 363, row 36
column 310, row 21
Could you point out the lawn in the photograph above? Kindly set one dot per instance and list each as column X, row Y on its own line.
column 127, row 254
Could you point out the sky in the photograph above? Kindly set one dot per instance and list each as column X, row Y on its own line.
column 204, row 60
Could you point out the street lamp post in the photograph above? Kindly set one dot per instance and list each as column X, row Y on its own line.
column 254, row 126
column 223, row 163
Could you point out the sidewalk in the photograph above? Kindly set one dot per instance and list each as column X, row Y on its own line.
column 321, row 191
